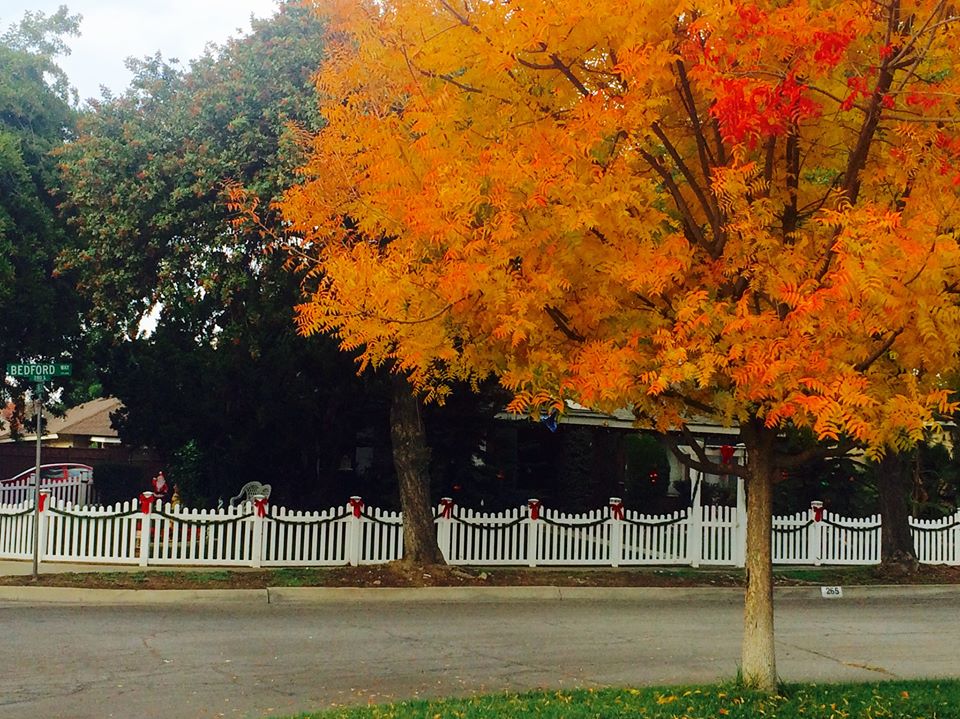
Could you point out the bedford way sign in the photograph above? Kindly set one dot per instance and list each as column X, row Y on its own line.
column 39, row 372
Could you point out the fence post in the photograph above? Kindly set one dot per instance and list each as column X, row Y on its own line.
column 813, row 536
column 259, row 522
column 694, row 524
column 146, row 528
column 740, row 547
column 444, row 526
column 355, row 532
column 533, row 530
column 42, row 529
column 616, row 531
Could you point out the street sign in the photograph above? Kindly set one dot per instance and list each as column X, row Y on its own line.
column 39, row 373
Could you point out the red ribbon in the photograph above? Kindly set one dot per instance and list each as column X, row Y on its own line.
column 446, row 508
column 146, row 502
column 261, row 506
column 43, row 500
column 534, row 505
column 616, row 510
column 818, row 514
column 726, row 454
column 357, row 504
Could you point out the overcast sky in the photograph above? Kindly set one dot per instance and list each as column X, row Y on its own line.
column 113, row 30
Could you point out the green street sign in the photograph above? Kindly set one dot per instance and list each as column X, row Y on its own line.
column 39, row 372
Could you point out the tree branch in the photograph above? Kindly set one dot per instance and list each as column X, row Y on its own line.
column 811, row 454
column 563, row 324
column 702, row 463
column 709, row 207
column 689, row 221
column 879, row 352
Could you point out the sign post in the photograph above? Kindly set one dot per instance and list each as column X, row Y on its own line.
column 38, row 374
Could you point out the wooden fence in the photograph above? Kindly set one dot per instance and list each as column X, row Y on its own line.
column 146, row 531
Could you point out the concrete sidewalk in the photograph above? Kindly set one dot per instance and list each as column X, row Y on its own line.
column 327, row 595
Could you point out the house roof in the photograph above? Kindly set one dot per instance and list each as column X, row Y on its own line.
column 90, row 419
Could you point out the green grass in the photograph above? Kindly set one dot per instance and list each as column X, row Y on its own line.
column 297, row 577
column 938, row 699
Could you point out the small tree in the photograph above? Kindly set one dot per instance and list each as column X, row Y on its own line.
column 746, row 211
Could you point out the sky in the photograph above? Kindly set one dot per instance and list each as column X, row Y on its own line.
column 112, row 30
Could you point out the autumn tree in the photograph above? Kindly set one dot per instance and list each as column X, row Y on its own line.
column 745, row 211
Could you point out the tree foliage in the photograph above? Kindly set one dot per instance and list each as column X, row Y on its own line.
column 746, row 210
column 223, row 380
column 147, row 173
column 39, row 313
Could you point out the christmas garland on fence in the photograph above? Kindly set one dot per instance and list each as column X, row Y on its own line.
column 24, row 513
column 309, row 523
column 203, row 522
column 638, row 523
column 489, row 528
column 571, row 525
column 118, row 515
column 936, row 529
column 377, row 520
column 791, row 530
column 851, row 529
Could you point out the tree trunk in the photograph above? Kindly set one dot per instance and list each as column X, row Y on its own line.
column 758, row 665
column 894, row 481
column 411, row 458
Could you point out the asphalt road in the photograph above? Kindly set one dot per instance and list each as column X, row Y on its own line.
column 258, row 660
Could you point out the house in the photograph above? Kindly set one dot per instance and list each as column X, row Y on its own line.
column 83, row 435
column 87, row 425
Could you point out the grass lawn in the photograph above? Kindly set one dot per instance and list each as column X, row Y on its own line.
column 936, row 699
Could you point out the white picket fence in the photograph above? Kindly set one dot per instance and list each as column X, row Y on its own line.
column 145, row 531
column 67, row 482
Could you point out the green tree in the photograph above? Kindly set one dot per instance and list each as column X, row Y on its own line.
column 148, row 177
column 39, row 310
column 223, row 378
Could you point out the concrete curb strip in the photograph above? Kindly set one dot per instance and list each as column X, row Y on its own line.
column 473, row 595
column 73, row 595
column 316, row 595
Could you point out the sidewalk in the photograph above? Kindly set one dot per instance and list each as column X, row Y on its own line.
column 472, row 594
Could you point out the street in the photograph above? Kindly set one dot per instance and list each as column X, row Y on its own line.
column 256, row 660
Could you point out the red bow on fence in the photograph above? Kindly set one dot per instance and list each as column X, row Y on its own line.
column 817, row 508
column 726, row 454
column 43, row 500
column 616, row 508
column 146, row 502
column 357, row 504
column 534, row 505
column 261, row 506
column 446, row 508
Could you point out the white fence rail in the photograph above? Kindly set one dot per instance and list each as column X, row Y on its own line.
column 145, row 531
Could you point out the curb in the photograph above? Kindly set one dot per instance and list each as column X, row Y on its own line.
column 78, row 596
column 473, row 595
